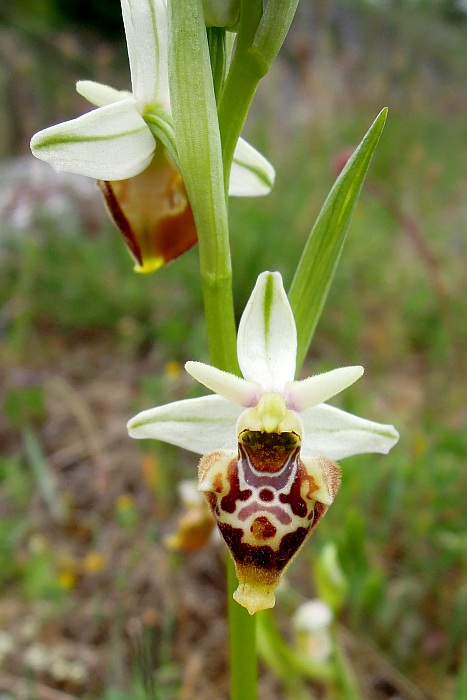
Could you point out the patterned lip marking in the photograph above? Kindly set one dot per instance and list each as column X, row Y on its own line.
column 275, row 481
column 264, row 558
column 256, row 507
column 265, row 515
column 229, row 502
column 262, row 528
column 268, row 452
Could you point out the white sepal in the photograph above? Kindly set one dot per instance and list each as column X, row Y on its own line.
column 267, row 337
column 336, row 434
column 110, row 143
column 194, row 424
column 251, row 174
column 146, row 34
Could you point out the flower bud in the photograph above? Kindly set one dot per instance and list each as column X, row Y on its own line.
column 221, row 13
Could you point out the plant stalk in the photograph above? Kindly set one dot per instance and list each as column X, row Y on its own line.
column 200, row 155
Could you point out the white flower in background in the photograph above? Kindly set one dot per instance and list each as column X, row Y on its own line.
column 312, row 623
column 128, row 145
column 269, row 442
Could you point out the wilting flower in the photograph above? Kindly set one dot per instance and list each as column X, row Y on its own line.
column 128, row 145
column 268, row 442
column 195, row 524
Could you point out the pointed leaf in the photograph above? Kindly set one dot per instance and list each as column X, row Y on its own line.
column 109, row 143
column 267, row 341
column 335, row 434
column 318, row 264
column 251, row 174
column 199, row 425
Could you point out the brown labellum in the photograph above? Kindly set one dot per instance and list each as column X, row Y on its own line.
column 266, row 502
column 153, row 214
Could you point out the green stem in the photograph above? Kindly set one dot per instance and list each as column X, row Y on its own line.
column 273, row 28
column 217, row 53
column 200, row 156
column 260, row 37
column 244, row 75
column 242, row 633
column 199, row 152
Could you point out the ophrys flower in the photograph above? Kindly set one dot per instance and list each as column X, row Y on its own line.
column 128, row 145
column 269, row 442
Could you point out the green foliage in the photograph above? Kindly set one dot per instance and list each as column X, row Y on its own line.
column 321, row 255
column 24, row 405
column 329, row 579
column 136, row 693
column 16, row 486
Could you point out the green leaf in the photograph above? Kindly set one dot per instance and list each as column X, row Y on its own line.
column 319, row 261
column 288, row 663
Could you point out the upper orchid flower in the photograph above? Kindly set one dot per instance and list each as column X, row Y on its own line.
column 269, row 442
column 128, row 145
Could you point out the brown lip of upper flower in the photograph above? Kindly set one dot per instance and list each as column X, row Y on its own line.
column 153, row 214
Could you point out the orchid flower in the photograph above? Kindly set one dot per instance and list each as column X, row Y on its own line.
column 268, row 442
column 128, row 145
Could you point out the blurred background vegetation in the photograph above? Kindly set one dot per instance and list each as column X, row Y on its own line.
column 92, row 604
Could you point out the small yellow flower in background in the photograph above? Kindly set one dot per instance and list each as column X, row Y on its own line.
column 67, row 579
column 173, row 370
column 124, row 503
column 94, row 562
column 127, row 511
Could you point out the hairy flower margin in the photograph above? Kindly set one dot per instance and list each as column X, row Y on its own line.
column 128, row 145
column 268, row 442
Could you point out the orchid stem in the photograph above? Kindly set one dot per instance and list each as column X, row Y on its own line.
column 240, row 86
column 242, row 633
column 200, row 155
